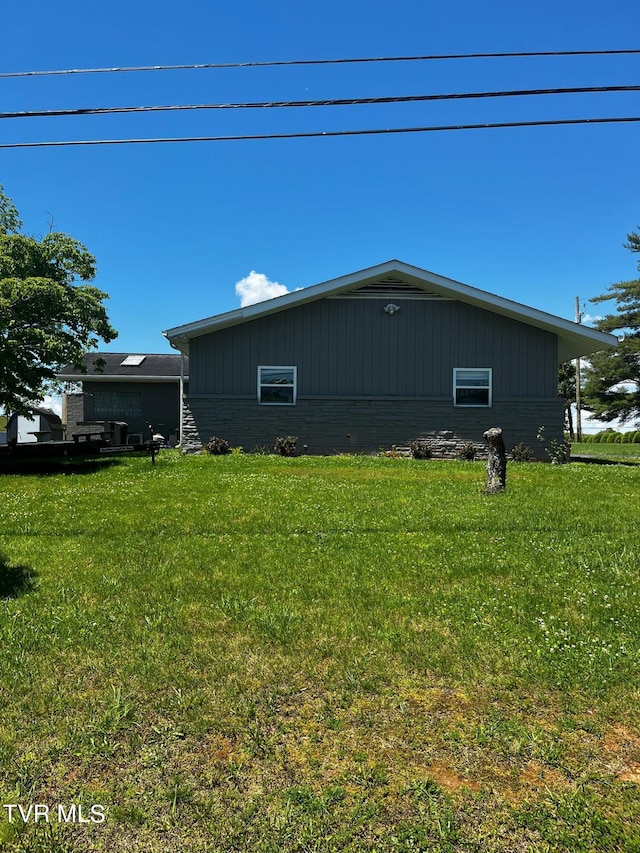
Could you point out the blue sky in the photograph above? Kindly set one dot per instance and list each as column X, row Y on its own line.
column 538, row 215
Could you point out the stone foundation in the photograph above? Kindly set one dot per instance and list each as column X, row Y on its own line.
column 329, row 425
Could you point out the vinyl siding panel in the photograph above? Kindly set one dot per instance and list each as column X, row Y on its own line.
column 159, row 405
column 352, row 348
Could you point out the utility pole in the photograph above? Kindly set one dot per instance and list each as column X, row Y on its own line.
column 578, row 402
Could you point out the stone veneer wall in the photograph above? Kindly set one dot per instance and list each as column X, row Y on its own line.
column 330, row 425
column 190, row 440
column 72, row 412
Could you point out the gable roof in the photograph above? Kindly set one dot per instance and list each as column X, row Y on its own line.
column 131, row 367
column 574, row 340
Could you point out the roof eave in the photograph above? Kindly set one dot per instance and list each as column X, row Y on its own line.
column 573, row 340
column 182, row 334
column 583, row 343
column 115, row 377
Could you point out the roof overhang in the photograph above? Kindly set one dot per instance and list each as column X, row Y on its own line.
column 113, row 377
column 574, row 340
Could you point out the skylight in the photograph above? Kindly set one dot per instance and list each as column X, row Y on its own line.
column 133, row 361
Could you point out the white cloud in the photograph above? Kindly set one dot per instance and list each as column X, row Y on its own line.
column 256, row 287
column 590, row 319
column 52, row 402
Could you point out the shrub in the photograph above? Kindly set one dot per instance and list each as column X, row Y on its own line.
column 636, row 437
column 467, row 452
column 217, row 446
column 394, row 453
column 420, row 449
column 618, row 439
column 559, row 452
column 597, row 438
column 522, row 453
column 286, row 446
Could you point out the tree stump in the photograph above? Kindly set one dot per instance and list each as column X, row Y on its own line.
column 497, row 463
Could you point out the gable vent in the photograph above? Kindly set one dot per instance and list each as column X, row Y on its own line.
column 388, row 288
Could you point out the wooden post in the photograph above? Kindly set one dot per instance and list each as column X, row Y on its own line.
column 497, row 464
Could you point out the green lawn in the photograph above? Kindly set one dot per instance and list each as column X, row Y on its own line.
column 629, row 452
column 250, row 653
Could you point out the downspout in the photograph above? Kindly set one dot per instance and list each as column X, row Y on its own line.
column 180, row 391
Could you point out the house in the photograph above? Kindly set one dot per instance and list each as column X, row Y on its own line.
column 377, row 358
column 137, row 389
column 39, row 424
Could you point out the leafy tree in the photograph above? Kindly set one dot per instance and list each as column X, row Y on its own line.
column 567, row 390
column 47, row 319
column 9, row 219
column 603, row 391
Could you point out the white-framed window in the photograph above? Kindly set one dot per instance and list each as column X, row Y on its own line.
column 277, row 385
column 471, row 386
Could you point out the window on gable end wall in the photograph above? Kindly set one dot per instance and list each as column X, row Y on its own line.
column 277, row 386
column 472, row 386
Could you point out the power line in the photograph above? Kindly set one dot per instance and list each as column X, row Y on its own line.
column 289, row 62
column 332, row 102
column 325, row 133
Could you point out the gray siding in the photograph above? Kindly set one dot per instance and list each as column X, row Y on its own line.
column 159, row 405
column 352, row 348
column 364, row 426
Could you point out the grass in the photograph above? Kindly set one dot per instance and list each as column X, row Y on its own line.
column 358, row 654
column 626, row 452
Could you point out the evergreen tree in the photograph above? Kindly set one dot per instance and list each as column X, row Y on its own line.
column 612, row 386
